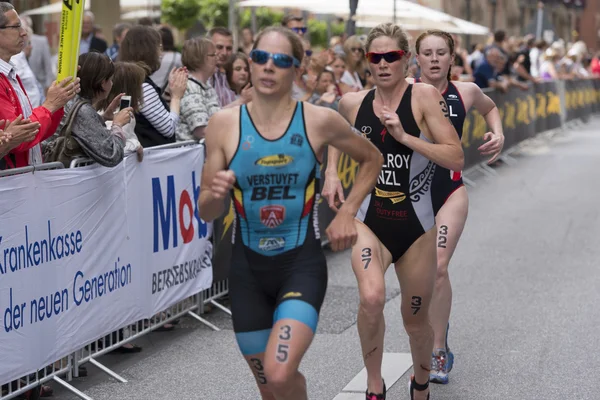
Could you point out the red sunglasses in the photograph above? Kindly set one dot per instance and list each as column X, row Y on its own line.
column 389, row 57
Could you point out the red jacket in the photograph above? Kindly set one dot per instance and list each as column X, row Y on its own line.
column 10, row 109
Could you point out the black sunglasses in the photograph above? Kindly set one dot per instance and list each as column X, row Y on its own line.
column 280, row 60
column 389, row 57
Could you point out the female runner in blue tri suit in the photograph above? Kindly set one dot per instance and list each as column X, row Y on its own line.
column 268, row 155
column 435, row 55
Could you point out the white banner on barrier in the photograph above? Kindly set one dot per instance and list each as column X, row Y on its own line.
column 85, row 251
column 173, row 239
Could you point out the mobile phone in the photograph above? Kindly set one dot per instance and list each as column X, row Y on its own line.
column 125, row 102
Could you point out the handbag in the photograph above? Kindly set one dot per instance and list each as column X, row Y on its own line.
column 65, row 148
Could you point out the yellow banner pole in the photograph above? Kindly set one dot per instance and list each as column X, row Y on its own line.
column 70, row 36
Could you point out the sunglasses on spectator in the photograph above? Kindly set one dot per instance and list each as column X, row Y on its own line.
column 308, row 53
column 389, row 57
column 302, row 29
column 280, row 60
column 355, row 49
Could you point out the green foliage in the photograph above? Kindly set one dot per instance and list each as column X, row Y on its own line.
column 182, row 14
column 318, row 32
column 213, row 13
column 264, row 17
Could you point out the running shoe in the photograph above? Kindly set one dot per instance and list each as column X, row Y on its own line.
column 373, row 396
column 439, row 367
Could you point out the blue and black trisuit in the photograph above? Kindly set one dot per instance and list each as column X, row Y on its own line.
column 278, row 268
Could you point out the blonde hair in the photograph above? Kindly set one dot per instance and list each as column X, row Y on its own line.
column 354, row 42
column 194, row 52
column 390, row 30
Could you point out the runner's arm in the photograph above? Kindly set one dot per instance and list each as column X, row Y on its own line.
column 211, row 208
column 446, row 149
column 345, row 108
column 487, row 108
column 341, row 136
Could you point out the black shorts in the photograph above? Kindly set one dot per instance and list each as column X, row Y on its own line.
column 263, row 290
column 445, row 182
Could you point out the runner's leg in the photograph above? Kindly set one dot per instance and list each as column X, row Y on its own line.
column 450, row 222
column 416, row 273
column 369, row 262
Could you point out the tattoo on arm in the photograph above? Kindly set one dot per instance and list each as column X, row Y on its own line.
column 416, row 304
column 444, row 108
column 366, row 256
column 443, row 236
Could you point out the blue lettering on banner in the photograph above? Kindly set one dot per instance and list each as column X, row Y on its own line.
column 38, row 252
column 85, row 290
column 168, row 214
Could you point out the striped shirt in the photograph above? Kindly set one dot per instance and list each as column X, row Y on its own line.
column 164, row 121
column 10, row 71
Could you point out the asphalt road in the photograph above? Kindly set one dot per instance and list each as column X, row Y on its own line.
column 525, row 317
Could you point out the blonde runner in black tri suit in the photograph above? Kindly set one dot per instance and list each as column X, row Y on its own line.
column 409, row 125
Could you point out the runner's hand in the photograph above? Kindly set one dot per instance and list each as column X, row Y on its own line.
column 333, row 192
column 222, row 184
column 493, row 147
column 342, row 232
column 391, row 121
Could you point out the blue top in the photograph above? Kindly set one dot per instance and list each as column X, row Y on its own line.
column 276, row 191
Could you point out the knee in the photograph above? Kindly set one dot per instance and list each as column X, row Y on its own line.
column 280, row 379
column 372, row 301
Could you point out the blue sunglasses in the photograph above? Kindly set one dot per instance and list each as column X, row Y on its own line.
column 300, row 30
column 280, row 60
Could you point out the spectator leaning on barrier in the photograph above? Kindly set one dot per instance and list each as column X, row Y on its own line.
column 487, row 73
column 156, row 120
column 87, row 128
column 119, row 32
column 200, row 100
column 13, row 99
column 523, row 63
column 127, row 80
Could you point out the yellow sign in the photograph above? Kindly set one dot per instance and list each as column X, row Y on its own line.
column 523, row 111
column 347, row 169
column 466, row 132
column 70, row 37
column 541, row 106
column 277, row 160
column 553, row 103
